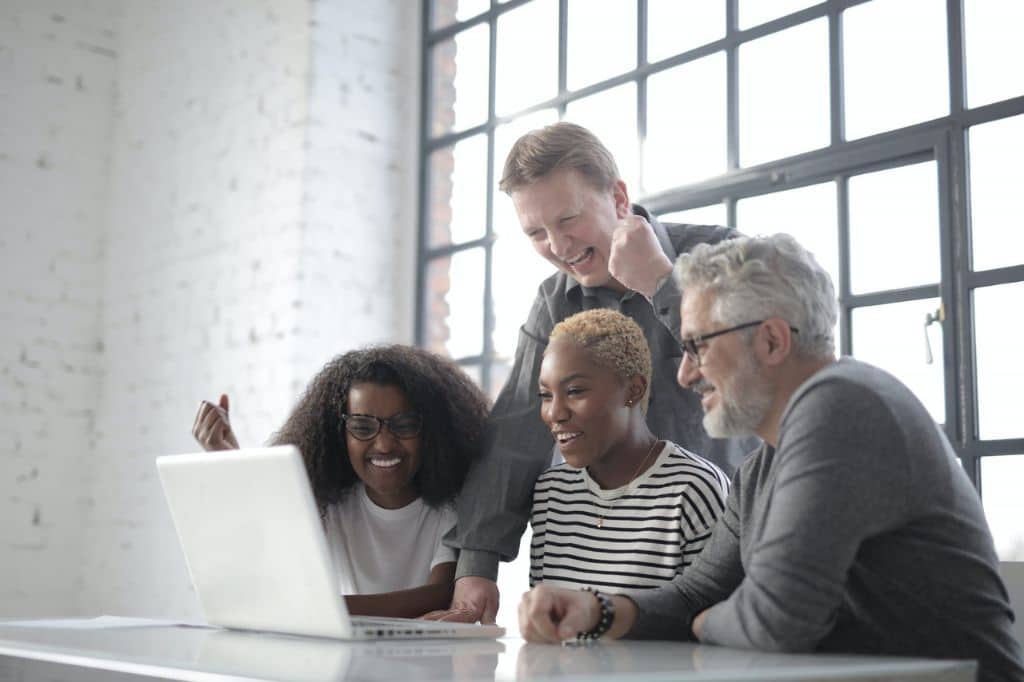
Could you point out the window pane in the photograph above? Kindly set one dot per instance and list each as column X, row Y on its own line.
column 894, row 213
column 601, row 40
column 685, row 143
column 518, row 269
column 527, row 56
column 997, row 225
column 459, row 97
column 1004, row 506
column 513, row 580
column 506, row 135
column 713, row 214
column 896, row 64
column 755, row 12
column 807, row 213
column 784, row 100
column 674, row 27
column 997, row 339
column 447, row 12
column 455, row 316
column 458, row 192
column 992, row 39
column 892, row 337
column 611, row 115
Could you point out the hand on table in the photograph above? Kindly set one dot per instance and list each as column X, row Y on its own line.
column 212, row 427
column 552, row 615
column 475, row 599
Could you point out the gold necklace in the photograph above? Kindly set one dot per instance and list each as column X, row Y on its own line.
column 610, row 504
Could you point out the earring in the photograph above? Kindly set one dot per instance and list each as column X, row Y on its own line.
column 629, row 403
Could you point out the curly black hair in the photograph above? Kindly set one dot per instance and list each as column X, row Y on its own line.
column 454, row 416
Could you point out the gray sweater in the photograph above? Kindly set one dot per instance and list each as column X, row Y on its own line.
column 860, row 533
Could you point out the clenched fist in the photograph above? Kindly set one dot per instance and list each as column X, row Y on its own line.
column 636, row 259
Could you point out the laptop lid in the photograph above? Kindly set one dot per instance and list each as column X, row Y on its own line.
column 253, row 540
column 257, row 553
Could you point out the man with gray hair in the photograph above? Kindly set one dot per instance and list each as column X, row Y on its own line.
column 854, row 527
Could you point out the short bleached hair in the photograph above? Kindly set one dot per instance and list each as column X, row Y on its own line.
column 613, row 341
column 755, row 278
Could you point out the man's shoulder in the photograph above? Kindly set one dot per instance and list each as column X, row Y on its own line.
column 685, row 236
column 844, row 381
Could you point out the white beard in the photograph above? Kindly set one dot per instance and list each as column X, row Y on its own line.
column 742, row 403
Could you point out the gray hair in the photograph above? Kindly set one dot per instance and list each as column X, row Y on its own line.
column 759, row 277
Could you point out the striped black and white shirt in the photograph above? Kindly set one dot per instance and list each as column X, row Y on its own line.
column 650, row 529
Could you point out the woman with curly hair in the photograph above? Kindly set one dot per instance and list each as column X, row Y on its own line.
column 387, row 434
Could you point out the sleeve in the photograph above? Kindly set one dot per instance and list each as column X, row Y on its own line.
column 836, row 484
column 703, row 502
column 443, row 554
column 666, row 612
column 495, row 501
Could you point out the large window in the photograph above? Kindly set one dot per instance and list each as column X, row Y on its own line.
column 886, row 135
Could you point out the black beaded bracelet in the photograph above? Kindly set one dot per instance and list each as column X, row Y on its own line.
column 604, row 622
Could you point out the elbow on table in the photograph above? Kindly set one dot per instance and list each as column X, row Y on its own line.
column 797, row 639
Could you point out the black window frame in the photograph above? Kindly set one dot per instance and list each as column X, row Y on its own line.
column 943, row 140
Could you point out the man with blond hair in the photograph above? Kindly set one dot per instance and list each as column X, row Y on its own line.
column 575, row 210
column 852, row 529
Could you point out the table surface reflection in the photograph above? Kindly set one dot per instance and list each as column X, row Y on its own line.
column 190, row 653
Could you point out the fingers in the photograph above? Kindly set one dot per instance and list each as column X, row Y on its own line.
column 539, row 616
column 453, row 615
column 554, row 615
column 224, row 402
column 212, row 429
column 490, row 612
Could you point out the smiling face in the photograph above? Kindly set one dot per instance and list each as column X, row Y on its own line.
column 385, row 464
column 570, row 223
column 734, row 395
column 583, row 404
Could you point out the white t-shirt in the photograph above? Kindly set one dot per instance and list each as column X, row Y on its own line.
column 383, row 550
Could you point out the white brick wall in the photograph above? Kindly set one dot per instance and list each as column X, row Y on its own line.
column 359, row 242
column 57, row 65
column 259, row 218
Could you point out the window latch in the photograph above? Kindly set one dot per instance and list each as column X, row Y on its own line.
column 938, row 316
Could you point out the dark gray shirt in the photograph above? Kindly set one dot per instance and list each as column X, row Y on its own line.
column 495, row 503
column 860, row 533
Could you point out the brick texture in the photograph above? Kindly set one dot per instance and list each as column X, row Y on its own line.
column 233, row 206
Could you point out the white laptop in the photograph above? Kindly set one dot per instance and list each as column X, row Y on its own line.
column 257, row 553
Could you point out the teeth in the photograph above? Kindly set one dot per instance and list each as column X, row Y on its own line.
column 385, row 463
column 565, row 437
column 577, row 259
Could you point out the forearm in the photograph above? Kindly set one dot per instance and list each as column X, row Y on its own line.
column 478, row 563
column 666, row 612
column 410, row 603
column 494, row 505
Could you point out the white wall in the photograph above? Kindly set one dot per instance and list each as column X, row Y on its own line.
column 57, row 68
column 259, row 218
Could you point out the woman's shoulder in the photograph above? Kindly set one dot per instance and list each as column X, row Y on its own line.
column 687, row 466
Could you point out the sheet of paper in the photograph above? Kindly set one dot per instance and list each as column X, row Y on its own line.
column 99, row 623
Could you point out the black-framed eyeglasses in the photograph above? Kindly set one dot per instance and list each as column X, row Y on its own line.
column 403, row 425
column 693, row 345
